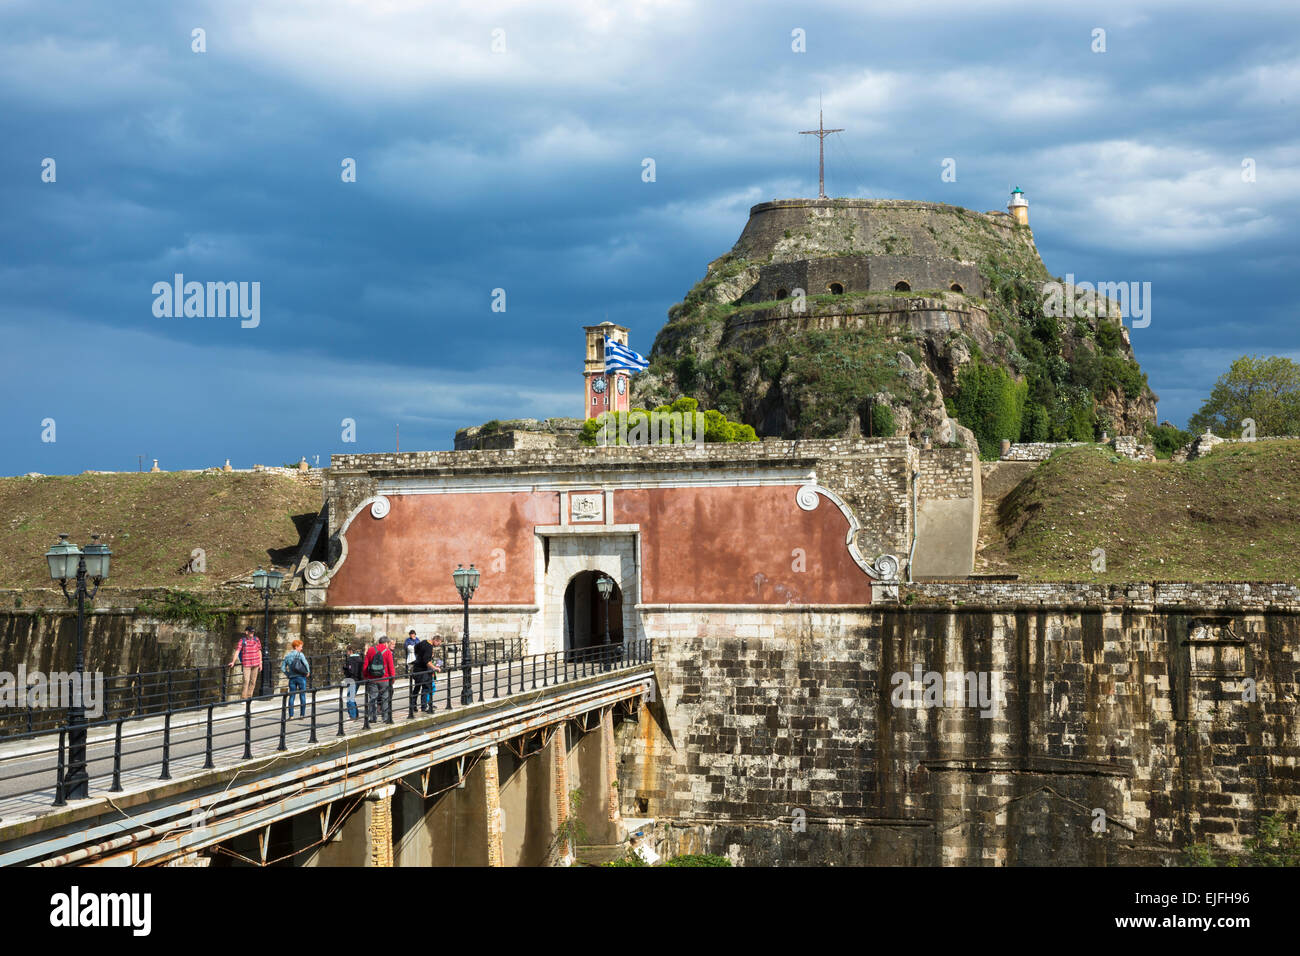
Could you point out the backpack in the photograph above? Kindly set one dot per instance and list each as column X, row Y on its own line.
column 352, row 666
column 298, row 665
column 376, row 668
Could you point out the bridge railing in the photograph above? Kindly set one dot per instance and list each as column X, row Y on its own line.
column 146, row 692
column 155, row 692
column 123, row 746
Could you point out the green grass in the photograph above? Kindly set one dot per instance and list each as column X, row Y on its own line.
column 153, row 522
column 1231, row 516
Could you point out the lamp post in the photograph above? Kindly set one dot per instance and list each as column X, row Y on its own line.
column 466, row 583
column 266, row 582
column 605, row 585
column 68, row 562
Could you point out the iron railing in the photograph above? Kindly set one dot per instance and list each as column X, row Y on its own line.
column 121, row 745
column 155, row 692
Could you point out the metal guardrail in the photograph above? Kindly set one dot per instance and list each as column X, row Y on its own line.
column 228, row 725
column 154, row 692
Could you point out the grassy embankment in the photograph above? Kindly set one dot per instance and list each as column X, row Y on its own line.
column 1231, row 516
column 153, row 522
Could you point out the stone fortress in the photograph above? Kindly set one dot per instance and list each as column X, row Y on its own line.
column 790, row 585
column 801, row 593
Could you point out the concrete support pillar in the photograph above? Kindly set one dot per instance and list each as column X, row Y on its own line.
column 379, row 828
column 593, row 766
column 559, row 750
column 492, row 807
column 560, row 747
column 528, row 804
column 611, row 765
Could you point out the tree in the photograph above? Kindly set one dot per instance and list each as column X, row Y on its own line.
column 1266, row 390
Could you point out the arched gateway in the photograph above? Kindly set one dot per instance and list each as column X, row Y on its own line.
column 591, row 621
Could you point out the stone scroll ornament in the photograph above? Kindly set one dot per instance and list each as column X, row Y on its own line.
column 380, row 507
column 885, row 567
column 316, row 572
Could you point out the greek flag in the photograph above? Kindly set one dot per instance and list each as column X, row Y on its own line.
column 620, row 358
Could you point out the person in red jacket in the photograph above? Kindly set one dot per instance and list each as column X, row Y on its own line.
column 379, row 672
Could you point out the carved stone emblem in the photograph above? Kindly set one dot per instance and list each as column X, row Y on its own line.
column 587, row 507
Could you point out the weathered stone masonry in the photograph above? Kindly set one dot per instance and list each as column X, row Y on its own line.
column 1141, row 713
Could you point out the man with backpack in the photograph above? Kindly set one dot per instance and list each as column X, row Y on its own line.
column 296, row 668
column 248, row 652
column 353, row 674
column 424, row 672
column 379, row 671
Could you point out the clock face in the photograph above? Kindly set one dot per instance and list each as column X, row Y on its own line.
column 622, row 385
column 598, row 386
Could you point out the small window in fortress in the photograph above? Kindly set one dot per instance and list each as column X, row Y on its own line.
column 836, row 288
column 782, row 293
column 903, row 286
column 955, row 287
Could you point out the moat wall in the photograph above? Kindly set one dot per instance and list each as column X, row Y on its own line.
column 777, row 739
column 776, row 735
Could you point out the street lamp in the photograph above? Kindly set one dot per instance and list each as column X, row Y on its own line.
column 466, row 583
column 68, row 562
column 266, row 582
column 605, row 585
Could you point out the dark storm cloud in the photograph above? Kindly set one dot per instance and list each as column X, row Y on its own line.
column 522, row 170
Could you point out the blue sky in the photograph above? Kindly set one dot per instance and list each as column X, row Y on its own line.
column 521, row 170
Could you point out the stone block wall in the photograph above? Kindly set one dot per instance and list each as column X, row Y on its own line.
column 1263, row 595
column 785, row 737
column 1035, row 451
column 947, row 473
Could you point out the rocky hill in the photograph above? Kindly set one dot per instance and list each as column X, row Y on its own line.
column 846, row 316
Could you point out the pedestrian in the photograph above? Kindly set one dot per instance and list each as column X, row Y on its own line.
column 248, row 652
column 424, row 671
column 379, row 672
column 353, row 668
column 296, row 667
column 412, row 642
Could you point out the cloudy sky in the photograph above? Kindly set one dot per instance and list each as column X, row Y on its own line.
column 501, row 146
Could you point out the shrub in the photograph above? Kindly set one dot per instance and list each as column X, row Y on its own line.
column 883, row 424
column 699, row 859
column 1167, row 439
column 991, row 404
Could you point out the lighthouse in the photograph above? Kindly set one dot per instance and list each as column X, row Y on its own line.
column 1019, row 206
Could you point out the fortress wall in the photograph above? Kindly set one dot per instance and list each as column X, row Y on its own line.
column 783, row 737
column 790, row 229
column 889, row 312
column 1260, row 596
column 947, row 473
column 865, row 274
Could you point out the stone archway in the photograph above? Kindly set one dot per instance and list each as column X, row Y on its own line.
column 587, row 616
column 570, row 554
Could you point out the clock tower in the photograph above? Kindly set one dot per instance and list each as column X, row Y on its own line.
column 604, row 393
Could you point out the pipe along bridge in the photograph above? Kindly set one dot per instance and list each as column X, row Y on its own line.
column 508, row 779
